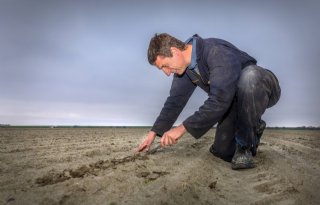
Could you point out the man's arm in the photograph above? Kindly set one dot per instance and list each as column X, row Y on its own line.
column 224, row 68
column 180, row 92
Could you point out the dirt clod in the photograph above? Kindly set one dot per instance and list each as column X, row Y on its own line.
column 52, row 178
column 213, row 185
column 80, row 172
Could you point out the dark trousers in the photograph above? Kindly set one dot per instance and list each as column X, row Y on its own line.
column 258, row 89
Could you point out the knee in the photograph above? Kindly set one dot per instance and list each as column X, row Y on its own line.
column 249, row 78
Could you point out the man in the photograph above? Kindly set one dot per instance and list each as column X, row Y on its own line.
column 238, row 90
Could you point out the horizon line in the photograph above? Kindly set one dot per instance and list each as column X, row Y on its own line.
column 79, row 126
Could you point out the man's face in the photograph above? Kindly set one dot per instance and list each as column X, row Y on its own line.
column 175, row 64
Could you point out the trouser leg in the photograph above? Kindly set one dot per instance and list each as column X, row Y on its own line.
column 258, row 89
column 224, row 144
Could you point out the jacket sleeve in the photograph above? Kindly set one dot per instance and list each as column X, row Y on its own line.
column 180, row 92
column 224, row 71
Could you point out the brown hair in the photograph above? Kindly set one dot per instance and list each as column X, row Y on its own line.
column 160, row 44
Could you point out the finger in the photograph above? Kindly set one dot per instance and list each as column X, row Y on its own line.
column 165, row 139
column 174, row 141
column 147, row 147
column 161, row 141
column 142, row 147
column 169, row 141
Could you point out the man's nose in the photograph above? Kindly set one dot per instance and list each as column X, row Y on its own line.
column 166, row 71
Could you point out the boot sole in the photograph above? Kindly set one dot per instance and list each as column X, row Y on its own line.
column 242, row 166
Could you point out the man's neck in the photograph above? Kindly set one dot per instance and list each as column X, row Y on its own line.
column 188, row 53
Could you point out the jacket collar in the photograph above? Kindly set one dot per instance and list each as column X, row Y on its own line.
column 199, row 46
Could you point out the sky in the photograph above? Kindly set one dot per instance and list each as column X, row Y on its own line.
column 85, row 62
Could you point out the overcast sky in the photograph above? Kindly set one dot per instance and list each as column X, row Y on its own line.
column 85, row 63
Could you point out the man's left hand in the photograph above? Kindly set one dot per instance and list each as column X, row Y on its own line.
column 172, row 136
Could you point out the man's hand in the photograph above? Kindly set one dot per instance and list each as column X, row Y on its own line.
column 147, row 142
column 172, row 136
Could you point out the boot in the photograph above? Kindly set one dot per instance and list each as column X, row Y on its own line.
column 260, row 130
column 259, row 133
column 242, row 158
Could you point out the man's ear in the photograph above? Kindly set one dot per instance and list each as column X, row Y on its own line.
column 174, row 50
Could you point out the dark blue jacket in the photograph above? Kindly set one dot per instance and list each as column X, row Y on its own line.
column 220, row 64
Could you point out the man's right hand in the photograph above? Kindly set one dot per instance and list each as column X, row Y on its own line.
column 147, row 142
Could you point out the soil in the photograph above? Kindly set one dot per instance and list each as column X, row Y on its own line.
column 100, row 166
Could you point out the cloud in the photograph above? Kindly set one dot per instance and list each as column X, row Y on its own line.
column 68, row 63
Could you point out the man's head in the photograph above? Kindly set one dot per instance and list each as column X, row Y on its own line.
column 169, row 54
